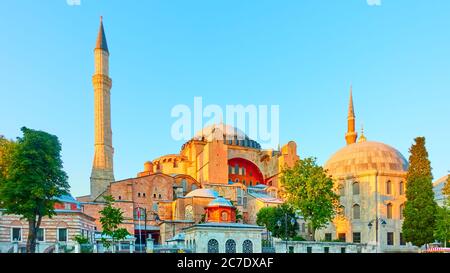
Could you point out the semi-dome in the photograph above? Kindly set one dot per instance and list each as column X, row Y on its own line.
column 203, row 193
column 365, row 156
column 220, row 201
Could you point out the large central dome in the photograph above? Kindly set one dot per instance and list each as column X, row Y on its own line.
column 365, row 156
column 229, row 134
column 219, row 132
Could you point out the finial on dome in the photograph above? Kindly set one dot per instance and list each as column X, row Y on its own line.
column 362, row 138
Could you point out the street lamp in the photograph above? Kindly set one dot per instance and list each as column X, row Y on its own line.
column 293, row 221
column 383, row 224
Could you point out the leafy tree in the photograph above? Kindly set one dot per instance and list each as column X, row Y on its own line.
column 203, row 219
column 420, row 207
column 239, row 216
column 271, row 217
column 6, row 148
column 81, row 239
column 309, row 189
column 442, row 228
column 111, row 218
column 31, row 178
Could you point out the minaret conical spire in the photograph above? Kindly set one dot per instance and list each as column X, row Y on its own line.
column 101, row 38
column 351, row 135
column 351, row 112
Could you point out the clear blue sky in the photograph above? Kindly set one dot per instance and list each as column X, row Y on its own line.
column 301, row 55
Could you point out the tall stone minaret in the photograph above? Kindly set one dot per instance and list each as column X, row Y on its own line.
column 351, row 134
column 102, row 169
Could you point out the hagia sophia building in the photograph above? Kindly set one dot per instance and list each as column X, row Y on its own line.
column 221, row 167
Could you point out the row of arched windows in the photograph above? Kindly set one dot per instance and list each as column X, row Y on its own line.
column 230, row 246
column 388, row 188
column 389, row 211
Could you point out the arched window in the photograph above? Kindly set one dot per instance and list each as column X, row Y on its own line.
column 389, row 187
column 224, row 216
column 402, row 188
column 230, row 246
column 389, row 211
column 188, row 213
column 184, row 185
column 402, row 208
column 356, row 212
column 355, row 188
column 213, row 246
column 247, row 246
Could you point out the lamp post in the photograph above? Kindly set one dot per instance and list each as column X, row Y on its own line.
column 377, row 221
column 293, row 220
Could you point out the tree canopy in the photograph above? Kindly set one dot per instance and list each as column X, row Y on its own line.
column 31, row 177
column 274, row 219
column 310, row 190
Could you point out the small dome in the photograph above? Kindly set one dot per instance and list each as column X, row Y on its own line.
column 364, row 156
column 220, row 201
column 203, row 193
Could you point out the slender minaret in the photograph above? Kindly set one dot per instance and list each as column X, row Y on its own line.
column 351, row 134
column 102, row 169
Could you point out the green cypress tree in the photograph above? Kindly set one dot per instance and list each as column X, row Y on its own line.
column 420, row 207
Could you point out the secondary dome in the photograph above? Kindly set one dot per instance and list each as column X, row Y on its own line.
column 220, row 201
column 203, row 193
column 364, row 156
